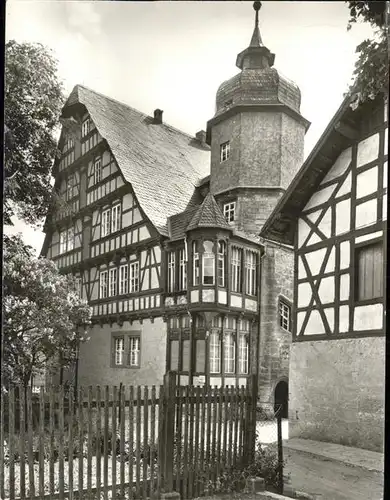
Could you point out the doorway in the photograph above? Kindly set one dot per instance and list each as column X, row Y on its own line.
column 281, row 397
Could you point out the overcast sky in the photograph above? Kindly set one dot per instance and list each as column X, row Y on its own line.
column 174, row 55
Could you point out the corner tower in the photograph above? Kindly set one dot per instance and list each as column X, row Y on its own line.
column 256, row 137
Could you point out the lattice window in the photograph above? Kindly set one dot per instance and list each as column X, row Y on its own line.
column 229, row 211
column 285, row 316
column 224, row 151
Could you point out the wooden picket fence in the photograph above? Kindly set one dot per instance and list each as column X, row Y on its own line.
column 127, row 442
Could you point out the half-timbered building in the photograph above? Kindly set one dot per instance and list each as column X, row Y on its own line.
column 335, row 215
column 162, row 231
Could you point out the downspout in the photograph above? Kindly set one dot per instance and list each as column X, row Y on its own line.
column 260, row 287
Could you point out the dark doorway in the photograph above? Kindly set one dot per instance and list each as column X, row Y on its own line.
column 281, row 397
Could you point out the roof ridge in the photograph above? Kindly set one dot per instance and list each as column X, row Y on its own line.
column 134, row 109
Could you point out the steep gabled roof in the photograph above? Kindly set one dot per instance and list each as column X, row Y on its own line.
column 162, row 164
column 208, row 215
column 341, row 132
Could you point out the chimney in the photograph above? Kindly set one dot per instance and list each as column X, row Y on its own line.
column 158, row 115
column 201, row 137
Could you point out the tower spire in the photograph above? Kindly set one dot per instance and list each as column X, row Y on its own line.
column 256, row 40
column 256, row 56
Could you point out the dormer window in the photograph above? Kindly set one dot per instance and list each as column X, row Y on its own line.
column 229, row 211
column 224, row 151
column 208, row 263
column 85, row 127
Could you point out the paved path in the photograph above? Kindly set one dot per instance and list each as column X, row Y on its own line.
column 329, row 477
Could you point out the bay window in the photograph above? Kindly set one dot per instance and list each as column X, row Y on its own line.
column 208, row 263
column 236, row 272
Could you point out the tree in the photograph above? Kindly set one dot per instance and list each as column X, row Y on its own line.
column 33, row 101
column 43, row 317
column 371, row 74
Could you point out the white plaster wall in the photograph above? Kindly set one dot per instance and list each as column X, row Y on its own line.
column 339, row 166
column 368, row 317
column 367, row 182
column 368, row 150
column 366, row 213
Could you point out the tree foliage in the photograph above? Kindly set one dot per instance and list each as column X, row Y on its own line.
column 33, row 102
column 43, row 318
column 371, row 74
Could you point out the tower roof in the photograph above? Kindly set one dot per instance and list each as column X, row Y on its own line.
column 208, row 215
column 256, row 55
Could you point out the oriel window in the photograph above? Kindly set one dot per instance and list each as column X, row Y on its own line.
column 195, row 257
column 208, row 263
column 236, row 273
column 182, row 270
column 221, row 263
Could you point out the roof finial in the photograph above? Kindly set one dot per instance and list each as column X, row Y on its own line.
column 256, row 37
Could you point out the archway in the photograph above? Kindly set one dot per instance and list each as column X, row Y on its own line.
column 281, row 397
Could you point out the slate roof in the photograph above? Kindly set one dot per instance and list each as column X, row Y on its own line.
column 162, row 164
column 208, row 215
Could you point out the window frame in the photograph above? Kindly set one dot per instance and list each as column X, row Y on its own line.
column 210, row 266
column 236, row 270
column 97, row 178
column 171, row 268
column 116, row 216
column 227, row 358
column 134, row 277
column 128, row 338
column 195, row 264
column 284, row 303
column 123, row 280
column 105, row 222
column 359, row 248
column 221, row 264
column 103, row 287
column 224, row 151
column 251, row 272
column 182, row 270
column 216, row 348
column 86, row 127
column 113, row 282
column 243, row 361
column 229, row 209
column 64, row 240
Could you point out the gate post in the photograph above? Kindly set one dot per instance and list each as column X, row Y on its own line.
column 250, row 420
column 168, row 434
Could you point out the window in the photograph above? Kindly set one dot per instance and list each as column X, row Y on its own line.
column 369, row 265
column 119, row 350
column 224, row 151
column 215, row 353
column 285, row 316
column 123, row 279
column 111, row 220
column 106, row 217
column 126, row 351
column 67, row 240
column 97, row 170
column 221, row 263
column 208, row 263
column 63, row 241
column 243, row 354
column 78, row 286
column 182, row 270
column 69, row 143
column 230, row 353
column 85, row 128
column 116, row 218
column 103, row 284
column 70, row 187
column 195, row 256
column 134, row 351
column 113, row 275
column 134, row 277
column 229, row 211
column 236, row 269
column 250, row 270
column 171, row 271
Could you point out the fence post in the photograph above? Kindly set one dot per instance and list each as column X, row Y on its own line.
column 168, row 434
column 280, row 448
column 250, row 419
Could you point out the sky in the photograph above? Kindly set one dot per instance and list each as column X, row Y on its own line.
column 174, row 55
